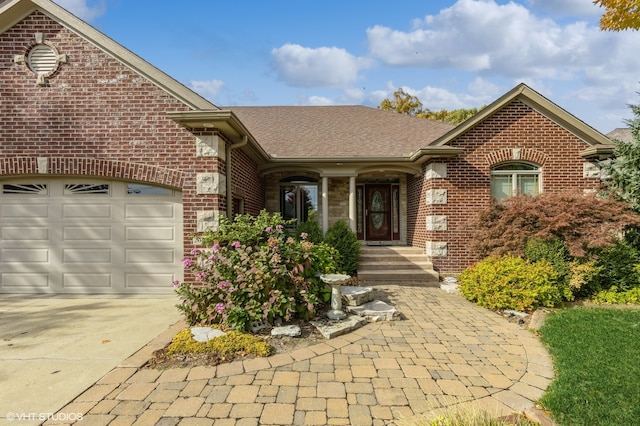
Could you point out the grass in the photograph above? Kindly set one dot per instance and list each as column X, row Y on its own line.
column 597, row 359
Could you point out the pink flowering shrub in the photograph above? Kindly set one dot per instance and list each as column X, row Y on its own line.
column 273, row 276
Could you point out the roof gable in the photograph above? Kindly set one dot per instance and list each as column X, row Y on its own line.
column 13, row 11
column 539, row 103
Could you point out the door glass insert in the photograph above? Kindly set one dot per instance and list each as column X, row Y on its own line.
column 141, row 189
column 25, row 188
column 86, row 188
column 377, row 210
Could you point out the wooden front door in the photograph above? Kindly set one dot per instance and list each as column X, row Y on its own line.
column 378, row 212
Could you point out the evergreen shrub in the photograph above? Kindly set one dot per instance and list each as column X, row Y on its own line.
column 345, row 241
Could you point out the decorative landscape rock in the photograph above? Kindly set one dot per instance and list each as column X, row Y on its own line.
column 259, row 325
column 450, row 285
column 204, row 334
column 286, row 330
column 375, row 311
column 356, row 296
column 330, row 329
column 451, row 288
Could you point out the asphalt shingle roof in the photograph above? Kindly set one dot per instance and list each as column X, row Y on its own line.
column 337, row 131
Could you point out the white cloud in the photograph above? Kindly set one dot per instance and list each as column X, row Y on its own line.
column 300, row 66
column 207, row 88
column 489, row 38
column 481, row 87
column 85, row 9
column 576, row 8
column 317, row 101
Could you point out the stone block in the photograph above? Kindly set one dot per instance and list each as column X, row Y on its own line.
column 436, row 170
column 436, row 223
column 210, row 146
column 436, row 196
column 207, row 219
column 591, row 171
column 286, row 330
column 355, row 295
column 211, row 183
column 330, row 329
column 436, row 249
column 374, row 311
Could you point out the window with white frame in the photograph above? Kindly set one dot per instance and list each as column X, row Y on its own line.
column 515, row 178
column 298, row 195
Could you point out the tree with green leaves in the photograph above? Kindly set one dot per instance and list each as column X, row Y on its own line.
column 619, row 14
column 623, row 171
column 405, row 103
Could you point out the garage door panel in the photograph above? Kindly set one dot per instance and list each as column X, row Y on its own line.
column 149, row 281
column 20, row 233
column 149, row 211
column 134, row 256
column 84, row 255
column 87, row 211
column 150, row 233
column 21, row 281
column 24, row 210
column 86, row 233
column 33, row 255
column 86, row 280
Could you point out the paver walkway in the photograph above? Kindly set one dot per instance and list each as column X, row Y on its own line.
column 445, row 351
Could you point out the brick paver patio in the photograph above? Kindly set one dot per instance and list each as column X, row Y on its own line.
column 445, row 351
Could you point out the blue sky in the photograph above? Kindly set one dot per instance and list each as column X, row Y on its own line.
column 450, row 54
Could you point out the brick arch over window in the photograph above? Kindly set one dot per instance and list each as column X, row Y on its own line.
column 95, row 167
column 517, row 154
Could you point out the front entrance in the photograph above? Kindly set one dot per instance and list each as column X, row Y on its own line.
column 378, row 212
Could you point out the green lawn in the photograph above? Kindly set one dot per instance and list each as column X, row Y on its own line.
column 597, row 358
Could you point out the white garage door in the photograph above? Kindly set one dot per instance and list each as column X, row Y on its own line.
column 88, row 236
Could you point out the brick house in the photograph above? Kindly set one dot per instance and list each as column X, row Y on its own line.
column 109, row 167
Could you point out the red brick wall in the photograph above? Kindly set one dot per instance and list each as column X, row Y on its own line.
column 246, row 183
column 468, row 176
column 96, row 117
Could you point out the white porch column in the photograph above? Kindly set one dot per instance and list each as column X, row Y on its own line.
column 352, row 203
column 325, row 204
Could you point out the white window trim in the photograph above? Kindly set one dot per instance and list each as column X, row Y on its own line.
column 515, row 173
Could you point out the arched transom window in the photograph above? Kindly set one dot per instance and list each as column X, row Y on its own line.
column 515, row 178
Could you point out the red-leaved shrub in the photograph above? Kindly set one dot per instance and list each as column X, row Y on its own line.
column 581, row 222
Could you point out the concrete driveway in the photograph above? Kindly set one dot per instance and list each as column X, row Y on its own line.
column 52, row 348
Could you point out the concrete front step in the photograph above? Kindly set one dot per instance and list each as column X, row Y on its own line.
column 427, row 278
column 372, row 265
column 396, row 264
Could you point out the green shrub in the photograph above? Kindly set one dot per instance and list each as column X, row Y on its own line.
column 237, row 284
column 616, row 267
column 553, row 251
column 250, row 230
column 342, row 238
column 614, row 296
column 510, row 282
column 310, row 229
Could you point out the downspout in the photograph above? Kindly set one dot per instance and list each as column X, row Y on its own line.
column 240, row 144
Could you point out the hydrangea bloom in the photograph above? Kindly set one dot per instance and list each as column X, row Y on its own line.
column 187, row 263
column 219, row 308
